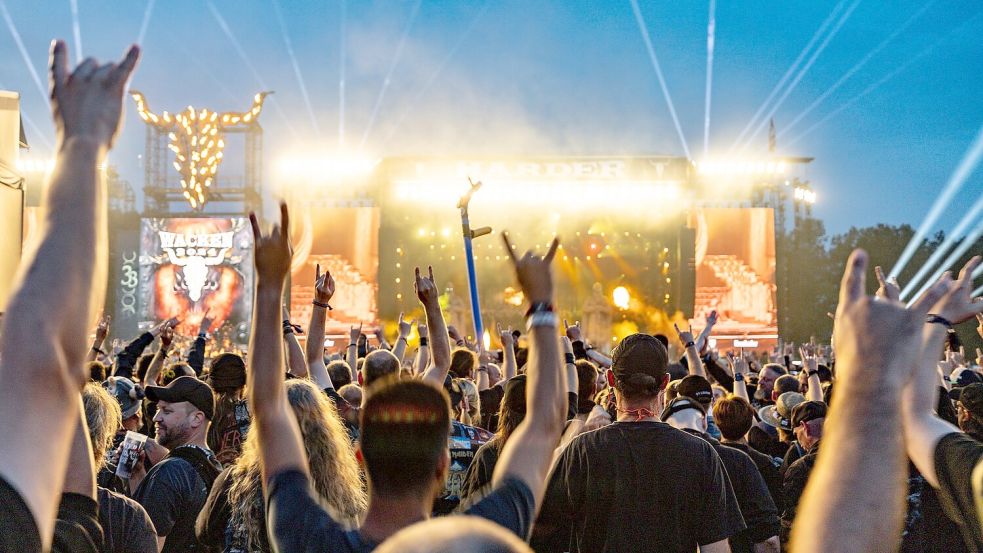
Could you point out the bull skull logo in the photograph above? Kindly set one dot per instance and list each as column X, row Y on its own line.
column 195, row 253
column 197, row 139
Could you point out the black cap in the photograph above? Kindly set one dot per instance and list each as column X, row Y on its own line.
column 966, row 377
column 185, row 388
column 639, row 354
column 696, row 387
column 808, row 411
column 681, row 403
column 971, row 397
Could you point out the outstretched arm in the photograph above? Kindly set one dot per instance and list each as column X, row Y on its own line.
column 280, row 445
column 692, row 353
column 529, row 450
column 64, row 273
column 508, row 353
column 810, row 364
column 405, row 327
column 296, row 364
column 157, row 363
column 922, row 428
column 323, row 291
column 854, row 501
column 101, row 332
column 440, row 342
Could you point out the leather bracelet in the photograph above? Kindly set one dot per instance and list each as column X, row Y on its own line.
column 739, row 377
column 424, row 341
column 99, row 351
column 690, row 344
column 936, row 319
column 539, row 307
column 814, row 373
column 322, row 304
column 568, row 357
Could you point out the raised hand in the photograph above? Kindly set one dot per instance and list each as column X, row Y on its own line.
column 169, row 323
column 876, row 340
column 573, row 332
column 685, row 336
column 889, row 288
column 454, row 334
column 88, row 103
column 810, row 362
column 273, row 251
column 354, row 333
column 103, row 329
column 534, row 272
column 505, row 336
column 405, row 327
column 958, row 305
column 421, row 329
column 166, row 336
column 426, row 288
column 323, row 285
column 206, row 323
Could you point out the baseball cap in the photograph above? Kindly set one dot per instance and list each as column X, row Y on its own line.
column 228, row 372
column 808, row 411
column 681, row 403
column 639, row 354
column 185, row 388
column 696, row 387
column 971, row 397
column 779, row 415
column 127, row 393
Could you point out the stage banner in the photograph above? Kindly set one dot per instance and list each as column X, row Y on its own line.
column 735, row 273
column 192, row 266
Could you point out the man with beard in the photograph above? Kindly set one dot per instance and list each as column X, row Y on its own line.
column 176, row 488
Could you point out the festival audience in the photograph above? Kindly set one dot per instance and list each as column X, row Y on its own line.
column 318, row 458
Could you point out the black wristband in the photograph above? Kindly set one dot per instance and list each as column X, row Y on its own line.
column 936, row 319
column 739, row 377
column 424, row 341
column 99, row 351
column 568, row 357
column 690, row 344
column 814, row 373
column 324, row 305
column 539, row 307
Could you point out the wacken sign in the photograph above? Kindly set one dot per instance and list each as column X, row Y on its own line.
column 194, row 253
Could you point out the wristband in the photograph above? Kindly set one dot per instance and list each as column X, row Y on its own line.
column 424, row 341
column 539, row 307
column 946, row 378
column 99, row 351
column 569, row 358
column 690, row 345
column 482, row 368
column 542, row 318
column 936, row 319
column 814, row 373
column 323, row 304
column 739, row 377
column 352, row 345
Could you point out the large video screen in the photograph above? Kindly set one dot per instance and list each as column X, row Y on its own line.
column 735, row 272
column 190, row 267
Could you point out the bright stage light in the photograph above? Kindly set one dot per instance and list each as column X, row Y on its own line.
column 742, row 167
column 486, row 340
column 621, row 297
column 319, row 168
column 805, row 195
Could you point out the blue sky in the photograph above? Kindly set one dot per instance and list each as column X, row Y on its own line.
column 559, row 77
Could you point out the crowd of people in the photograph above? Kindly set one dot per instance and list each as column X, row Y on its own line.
column 871, row 445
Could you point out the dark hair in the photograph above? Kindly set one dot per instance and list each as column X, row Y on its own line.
column 340, row 373
column 405, row 425
column 462, row 363
column 173, row 371
column 945, row 409
column 786, row 383
column 225, row 404
column 97, row 371
column 639, row 363
column 378, row 364
column 521, row 356
column 586, row 379
column 143, row 364
column 734, row 416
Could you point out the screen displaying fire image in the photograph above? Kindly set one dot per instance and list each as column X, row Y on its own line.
column 735, row 270
column 190, row 267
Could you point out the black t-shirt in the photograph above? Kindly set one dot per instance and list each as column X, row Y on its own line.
column 173, row 493
column 757, row 507
column 77, row 528
column 959, row 467
column 491, row 402
column 18, row 531
column 637, row 486
column 796, row 478
column 794, row 453
column 482, row 468
column 297, row 523
column 125, row 524
column 768, row 467
column 767, row 442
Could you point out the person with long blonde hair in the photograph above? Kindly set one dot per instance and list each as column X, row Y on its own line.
column 240, row 524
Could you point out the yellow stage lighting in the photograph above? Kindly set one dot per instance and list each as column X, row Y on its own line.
column 621, row 297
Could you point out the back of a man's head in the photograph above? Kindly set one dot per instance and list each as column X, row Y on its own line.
column 785, row 383
column 352, row 394
column 639, row 365
column 586, row 378
column 734, row 416
column 462, row 363
column 340, row 373
column 454, row 534
column 405, row 425
column 378, row 364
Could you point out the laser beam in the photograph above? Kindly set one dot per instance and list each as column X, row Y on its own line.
column 249, row 64
column 711, row 31
column 967, row 243
column 296, row 66
column 853, row 70
column 789, row 72
column 389, row 74
column 956, row 181
column 76, row 30
column 144, row 25
column 971, row 217
column 658, row 73
column 23, row 51
column 805, row 69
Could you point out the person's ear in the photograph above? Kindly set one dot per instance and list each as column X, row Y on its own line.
column 610, row 376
